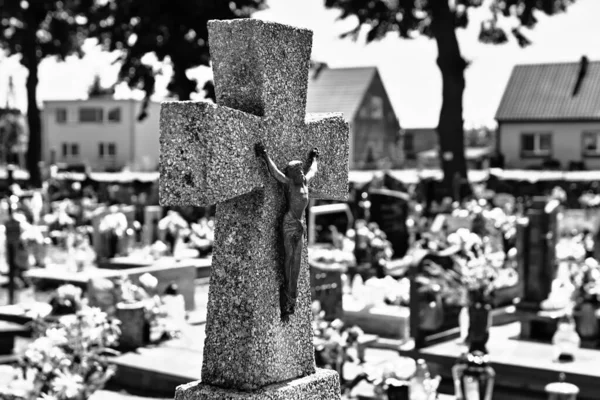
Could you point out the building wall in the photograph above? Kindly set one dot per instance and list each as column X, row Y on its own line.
column 422, row 139
column 567, row 143
column 374, row 131
column 147, row 148
column 132, row 141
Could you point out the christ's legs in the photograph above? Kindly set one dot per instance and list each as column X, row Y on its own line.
column 293, row 234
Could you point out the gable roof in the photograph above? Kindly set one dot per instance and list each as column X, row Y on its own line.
column 338, row 90
column 545, row 92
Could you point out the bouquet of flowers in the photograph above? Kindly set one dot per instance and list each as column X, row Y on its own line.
column 68, row 359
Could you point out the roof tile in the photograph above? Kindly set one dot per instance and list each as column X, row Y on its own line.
column 544, row 92
column 338, row 90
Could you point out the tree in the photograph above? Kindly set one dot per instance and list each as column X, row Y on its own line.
column 36, row 29
column 173, row 29
column 439, row 20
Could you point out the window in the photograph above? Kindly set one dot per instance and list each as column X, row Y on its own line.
column 114, row 114
column 61, row 115
column 536, row 144
column 373, row 108
column 70, row 149
column 376, row 107
column 106, row 150
column 88, row 114
column 590, row 144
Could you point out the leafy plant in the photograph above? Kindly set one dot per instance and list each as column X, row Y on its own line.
column 68, row 359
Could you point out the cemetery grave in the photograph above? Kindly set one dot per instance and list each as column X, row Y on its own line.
column 212, row 160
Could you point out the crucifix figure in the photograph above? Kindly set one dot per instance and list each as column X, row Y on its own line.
column 295, row 181
column 208, row 156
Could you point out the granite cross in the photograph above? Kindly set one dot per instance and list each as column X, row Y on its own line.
column 207, row 157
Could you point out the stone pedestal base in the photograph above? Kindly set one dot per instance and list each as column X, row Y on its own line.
column 323, row 385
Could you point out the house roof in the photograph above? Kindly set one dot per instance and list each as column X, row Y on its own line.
column 338, row 90
column 546, row 92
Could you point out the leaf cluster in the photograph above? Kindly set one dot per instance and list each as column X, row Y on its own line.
column 170, row 29
column 410, row 18
column 36, row 29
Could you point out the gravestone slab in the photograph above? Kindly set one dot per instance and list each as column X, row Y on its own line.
column 539, row 249
column 389, row 208
column 152, row 215
column 207, row 157
column 322, row 385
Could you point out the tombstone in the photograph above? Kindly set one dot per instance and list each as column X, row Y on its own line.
column 389, row 209
column 536, row 263
column 538, row 270
column 207, row 157
column 152, row 214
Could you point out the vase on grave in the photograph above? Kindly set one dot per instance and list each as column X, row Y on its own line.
column 479, row 320
column 587, row 321
column 134, row 326
column 472, row 374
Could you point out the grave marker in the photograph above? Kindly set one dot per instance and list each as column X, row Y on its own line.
column 152, row 214
column 207, row 157
column 389, row 209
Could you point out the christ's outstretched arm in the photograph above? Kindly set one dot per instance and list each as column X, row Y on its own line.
column 312, row 169
column 261, row 152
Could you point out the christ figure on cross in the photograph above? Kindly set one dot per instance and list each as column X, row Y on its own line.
column 295, row 179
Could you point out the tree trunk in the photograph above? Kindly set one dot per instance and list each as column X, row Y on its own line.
column 34, row 149
column 450, row 128
column 183, row 85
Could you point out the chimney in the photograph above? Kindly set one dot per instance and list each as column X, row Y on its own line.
column 583, row 67
column 318, row 68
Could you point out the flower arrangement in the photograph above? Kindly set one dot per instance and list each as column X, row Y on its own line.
column 371, row 247
column 114, row 229
column 332, row 340
column 68, row 359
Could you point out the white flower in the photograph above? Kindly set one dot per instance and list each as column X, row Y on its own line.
column 67, row 385
column 58, row 336
column 46, row 396
column 148, row 281
column 34, row 356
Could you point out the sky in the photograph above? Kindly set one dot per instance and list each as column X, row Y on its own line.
column 407, row 67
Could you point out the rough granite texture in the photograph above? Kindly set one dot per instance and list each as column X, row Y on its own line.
column 207, row 157
column 323, row 385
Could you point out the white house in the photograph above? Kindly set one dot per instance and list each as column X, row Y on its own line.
column 551, row 111
column 101, row 132
column 104, row 133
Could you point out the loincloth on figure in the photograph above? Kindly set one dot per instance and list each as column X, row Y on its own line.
column 293, row 227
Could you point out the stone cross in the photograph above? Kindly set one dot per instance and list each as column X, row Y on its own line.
column 207, row 157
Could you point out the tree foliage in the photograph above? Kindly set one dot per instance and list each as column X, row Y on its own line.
column 171, row 29
column 36, row 29
column 413, row 17
column 439, row 20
